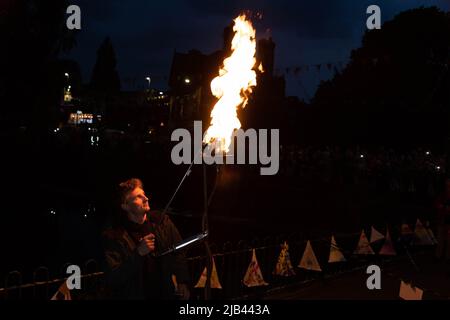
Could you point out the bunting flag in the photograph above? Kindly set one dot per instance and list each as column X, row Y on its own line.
column 363, row 245
column 215, row 283
column 422, row 237
column 284, row 266
column 335, row 253
column 309, row 260
column 388, row 248
column 63, row 293
column 253, row 277
column 407, row 292
column 375, row 235
column 296, row 70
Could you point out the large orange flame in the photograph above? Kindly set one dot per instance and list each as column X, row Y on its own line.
column 233, row 85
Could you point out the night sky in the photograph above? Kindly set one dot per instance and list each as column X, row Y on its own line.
column 145, row 33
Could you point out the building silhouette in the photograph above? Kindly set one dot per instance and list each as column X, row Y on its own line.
column 190, row 94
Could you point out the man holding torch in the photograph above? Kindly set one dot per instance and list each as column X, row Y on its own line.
column 132, row 246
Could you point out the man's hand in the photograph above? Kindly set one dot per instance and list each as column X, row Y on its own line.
column 146, row 245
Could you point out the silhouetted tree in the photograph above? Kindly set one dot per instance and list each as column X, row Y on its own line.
column 32, row 34
column 105, row 78
column 396, row 85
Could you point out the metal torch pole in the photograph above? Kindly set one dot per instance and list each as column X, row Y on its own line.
column 188, row 172
column 205, row 227
column 209, row 261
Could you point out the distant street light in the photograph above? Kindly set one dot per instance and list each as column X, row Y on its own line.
column 149, row 81
column 67, row 83
column 187, row 80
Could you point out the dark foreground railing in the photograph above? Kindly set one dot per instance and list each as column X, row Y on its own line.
column 231, row 260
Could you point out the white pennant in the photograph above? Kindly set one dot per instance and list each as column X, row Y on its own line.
column 214, row 281
column 253, row 277
column 309, row 260
column 375, row 235
column 363, row 245
column 388, row 248
column 63, row 293
column 407, row 292
column 335, row 253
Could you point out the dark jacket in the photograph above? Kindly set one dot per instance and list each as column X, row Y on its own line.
column 131, row 276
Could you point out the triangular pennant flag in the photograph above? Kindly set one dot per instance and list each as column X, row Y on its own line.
column 422, row 236
column 63, row 293
column 215, row 283
column 335, row 253
column 407, row 292
column 253, row 277
column 309, row 260
column 375, row 236
column 284, row 266
column 388, row 248
column 363, row 245
column 406, row 230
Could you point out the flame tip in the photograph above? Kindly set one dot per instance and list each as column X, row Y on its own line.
column 234, row 84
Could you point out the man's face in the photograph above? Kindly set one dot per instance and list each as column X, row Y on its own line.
column 137, row 203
